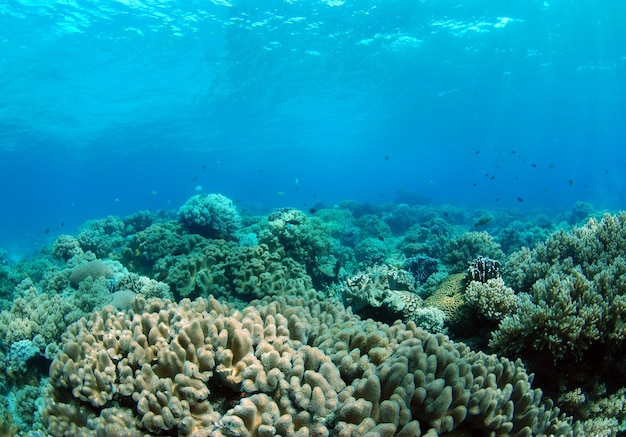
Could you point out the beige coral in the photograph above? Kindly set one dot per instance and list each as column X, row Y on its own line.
column 280, row 368
column 450, row 298
column 493, row 299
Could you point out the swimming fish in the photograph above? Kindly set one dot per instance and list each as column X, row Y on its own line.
column 482, row 221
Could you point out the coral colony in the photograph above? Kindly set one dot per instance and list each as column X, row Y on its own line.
column 349, row 321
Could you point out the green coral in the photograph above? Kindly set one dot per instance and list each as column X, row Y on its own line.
column 227, row 270
column 464, row 248
column 37, row 315
column 158, row 241
column 303, row 238
column 427, row 238
column 573, row 310
column 103, row 237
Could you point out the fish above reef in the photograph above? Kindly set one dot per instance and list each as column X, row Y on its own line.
column 482, row 221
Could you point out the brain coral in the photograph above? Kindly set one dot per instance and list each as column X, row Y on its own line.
column 281, row 368
column 210, row 215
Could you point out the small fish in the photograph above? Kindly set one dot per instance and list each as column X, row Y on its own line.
column 153, row 192
column 520, row 199
column 606, row 171
column 312, row 210
column 474, row 184
column 477, row 152
column 570, row 182
column 512, row 152
column 297, row 181
column 482, row 221
column 386, row 157
column 533, row 165
column 116, row 200
column 497, row 199
column 203, row 166
column 280, row 193
column 552, row 166
column 46, row 231
column 493, row 177
column 198, row 188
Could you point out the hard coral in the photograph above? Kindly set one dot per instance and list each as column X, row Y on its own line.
column 572, row 308
column 281, row 368
column 210, row 215
column 225, row 269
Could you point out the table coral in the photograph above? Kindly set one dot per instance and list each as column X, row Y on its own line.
column 281, row 368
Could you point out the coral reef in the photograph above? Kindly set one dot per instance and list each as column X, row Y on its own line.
column 227, row 270
column 492, row 298
column 210, row 215
column 483, row 269
column 302, row 238
column 281, row 368
column 94, row 269
column 421, row 267
column 370, row 251
column 158, row 241
column 65, row 247
column 427, row 238
column 387, row 293
column 572, row 308
column 463, row 249
column 450, row 298
column 103, row 237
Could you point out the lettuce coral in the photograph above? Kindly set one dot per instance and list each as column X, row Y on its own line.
column 281, row 368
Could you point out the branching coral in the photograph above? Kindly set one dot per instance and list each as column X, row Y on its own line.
column 493, row 299
column 573, row 307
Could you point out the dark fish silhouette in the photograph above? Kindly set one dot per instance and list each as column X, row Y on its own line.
column 520, row 199
column 482, row 221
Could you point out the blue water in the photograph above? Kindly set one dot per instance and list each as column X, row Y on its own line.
column 110, row 107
